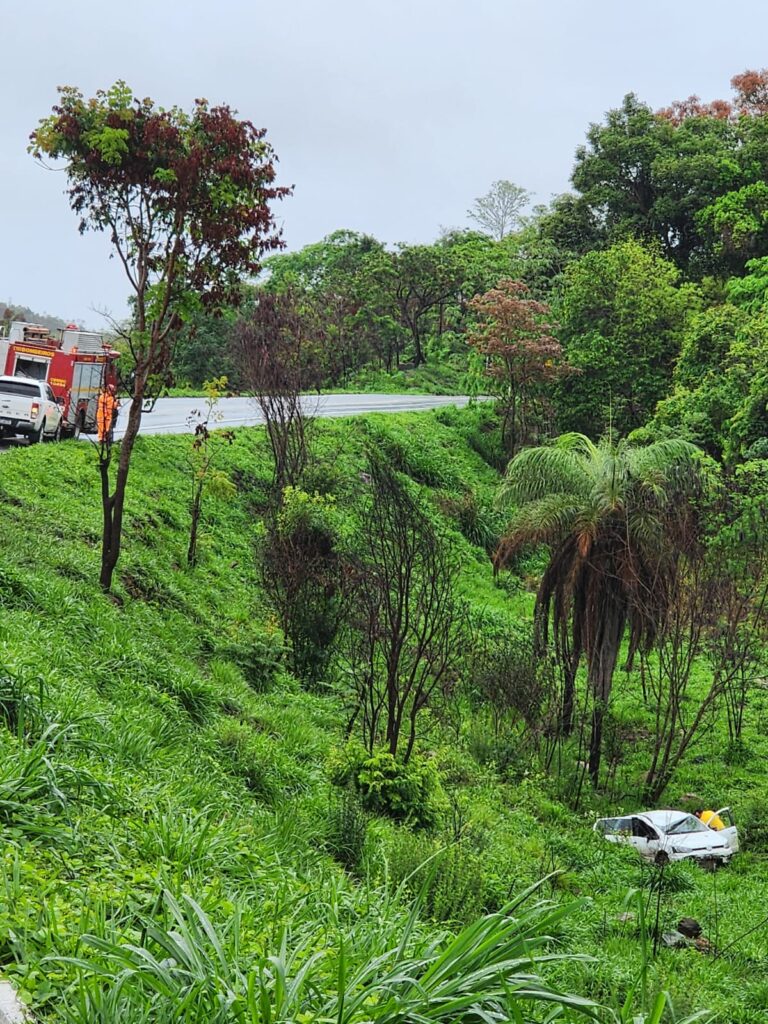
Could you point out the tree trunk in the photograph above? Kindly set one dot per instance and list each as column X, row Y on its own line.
column 601, row 668
column 418, row 354
column 569, row 699
column 113, row 504
column 197, row 508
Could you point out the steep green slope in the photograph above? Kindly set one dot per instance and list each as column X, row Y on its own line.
column 155, row 751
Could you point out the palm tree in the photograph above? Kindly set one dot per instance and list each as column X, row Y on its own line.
column 616, row 517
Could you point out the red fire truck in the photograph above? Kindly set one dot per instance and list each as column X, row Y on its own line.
column 77, row 365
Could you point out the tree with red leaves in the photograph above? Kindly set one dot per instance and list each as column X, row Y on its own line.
column 751, row 100
column 185, row 200
column 514, row 336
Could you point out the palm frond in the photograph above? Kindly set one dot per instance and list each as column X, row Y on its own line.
column 536, row 472
column 548, row 520
column 663, row 464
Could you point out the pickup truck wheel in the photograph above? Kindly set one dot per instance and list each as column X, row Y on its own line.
column 662, row 859
column 37, row 436
column 78, row 428
column 56, row 435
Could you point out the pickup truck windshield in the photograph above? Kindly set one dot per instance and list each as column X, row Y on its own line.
column 18, row 387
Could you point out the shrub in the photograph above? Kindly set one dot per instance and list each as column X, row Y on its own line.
column 408, row 792
column 257, row 658
column 346, row 828
column 754, row 821
column 258, row 761
column 450, row 881
column 302, row 572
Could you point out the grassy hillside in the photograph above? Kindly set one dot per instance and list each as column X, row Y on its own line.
column 164, row 782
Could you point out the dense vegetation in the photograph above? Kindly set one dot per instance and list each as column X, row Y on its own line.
column 351, row 690
column 653, row 269
column 160, row 764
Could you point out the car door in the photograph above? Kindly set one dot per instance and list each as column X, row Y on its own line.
column 645, row 838
column 729, row 833
column 52, row 410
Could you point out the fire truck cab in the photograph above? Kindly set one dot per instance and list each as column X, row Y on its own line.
column 76, row 364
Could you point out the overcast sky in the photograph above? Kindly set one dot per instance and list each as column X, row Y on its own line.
column 388, row 117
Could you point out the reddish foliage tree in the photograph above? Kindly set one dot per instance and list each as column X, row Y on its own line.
column 185, row 199
column 681, row 110
column 514, row 335
column 751, row 89
column 751, row 99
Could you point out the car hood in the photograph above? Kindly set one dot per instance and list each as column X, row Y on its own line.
column 697, row 841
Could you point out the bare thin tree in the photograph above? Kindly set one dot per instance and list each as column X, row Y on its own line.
column 276, row 347
column 407, row 628
column 498, row 211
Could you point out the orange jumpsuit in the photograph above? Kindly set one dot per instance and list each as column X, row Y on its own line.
column 106, row 409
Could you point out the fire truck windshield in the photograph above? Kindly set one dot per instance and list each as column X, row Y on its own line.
column 37, row 369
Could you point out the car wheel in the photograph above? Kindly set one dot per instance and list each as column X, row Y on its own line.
column 37, row 436
column 56, row 435
column 662, row 859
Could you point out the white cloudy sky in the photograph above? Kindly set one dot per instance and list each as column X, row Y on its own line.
column 388, row 117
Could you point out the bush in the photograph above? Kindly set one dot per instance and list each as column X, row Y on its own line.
column 346, row 829
column 754, row 822
column 302, row 571
column 259, row 761
column 450, row 881
column 407, row 792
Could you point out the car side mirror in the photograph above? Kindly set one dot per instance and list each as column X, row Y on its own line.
column 61, row 401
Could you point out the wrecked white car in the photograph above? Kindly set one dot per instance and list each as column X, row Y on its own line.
column 664, row 836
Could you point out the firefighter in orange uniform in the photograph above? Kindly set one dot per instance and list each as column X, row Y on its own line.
column 106, row 413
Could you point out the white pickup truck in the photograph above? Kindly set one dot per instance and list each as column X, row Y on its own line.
column 29, row 407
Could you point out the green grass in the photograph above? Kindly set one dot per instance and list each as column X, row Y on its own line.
column 164, row 787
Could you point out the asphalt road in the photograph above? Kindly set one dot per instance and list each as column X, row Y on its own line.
column 177, row 415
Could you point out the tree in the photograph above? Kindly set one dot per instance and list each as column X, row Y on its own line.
column 514, row 337
column 623, row 318
column 714, row 633
column 407, row 626
column 203, row 350
column 643, row 176
column 185, row 200
column 706, row 389
column 207, row 446
column 279, row 354
column 421, row 280
column 612, row 515
column 498, row 211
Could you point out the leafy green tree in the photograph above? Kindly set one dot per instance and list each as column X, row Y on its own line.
column 614, row 516
column 705, row 395
column 422, row 280
column 614, row 168
column 555, row 236
column 650, row 176
column 203, row 350
column 185, row 201
column 623, row 318
column 330, row 264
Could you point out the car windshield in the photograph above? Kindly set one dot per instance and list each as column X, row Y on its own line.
column 18, row 387
column 687, row 824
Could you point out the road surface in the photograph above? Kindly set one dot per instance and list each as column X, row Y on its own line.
column 177, row 415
